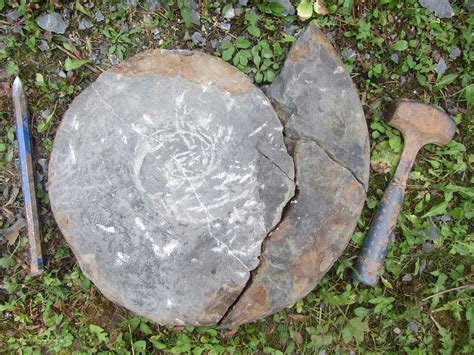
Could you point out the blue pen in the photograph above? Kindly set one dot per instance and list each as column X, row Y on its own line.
column 27, row 176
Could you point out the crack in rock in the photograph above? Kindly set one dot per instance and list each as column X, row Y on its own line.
column 338, row 162
column 276, row 165
column 254, row 271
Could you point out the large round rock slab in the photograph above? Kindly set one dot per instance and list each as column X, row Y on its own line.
column 167, row 174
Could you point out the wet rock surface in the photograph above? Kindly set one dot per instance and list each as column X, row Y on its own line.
column 172, row 181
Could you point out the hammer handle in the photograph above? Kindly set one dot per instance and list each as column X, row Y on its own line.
column 375, row 247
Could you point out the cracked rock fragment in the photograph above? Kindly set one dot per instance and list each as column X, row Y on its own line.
column 166, row 175
column 317, row 100
column 324, row 123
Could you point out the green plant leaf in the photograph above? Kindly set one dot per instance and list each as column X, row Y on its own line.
column 227, row 53
column 469, row 94
column 446, row 80
column 305, row 10
column 254, row 31
column 243, row 43
column 95, row 329
column 399, row 45
column 72, row 64
column 6, row 262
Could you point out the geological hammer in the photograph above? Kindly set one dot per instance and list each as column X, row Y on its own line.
column 419, row 124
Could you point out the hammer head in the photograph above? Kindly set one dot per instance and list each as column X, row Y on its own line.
column 421, row 124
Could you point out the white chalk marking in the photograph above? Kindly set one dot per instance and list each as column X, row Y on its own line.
column 122, row 258
column 106, row 229
column 139, row 223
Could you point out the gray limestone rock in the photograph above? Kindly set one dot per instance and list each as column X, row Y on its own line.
column 166, row 175
column 52, row 22
column 441, row 8
column 317, row 100
column 187, row 201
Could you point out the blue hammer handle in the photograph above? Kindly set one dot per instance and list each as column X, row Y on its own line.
column 369, row 264
column 375, row 247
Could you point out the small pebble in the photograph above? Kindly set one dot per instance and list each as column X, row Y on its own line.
column 407, row 278
column 433, row 230
column 12, row 15
column 16, row 28
column 440, row 68
column 66, row 14
column 198, row 39
column 397, row 330
column 427, row 247
column 62, row 74
column 156, row 33
column 422, row 266
column 413, row 326
column 43, row 45
column 99, row 16
column 395, row 58
column 44, row 113
column 348, row 53
column 243, row 2
column 195, row 17
column 290, row 29
column 444, row 218
column 113, row 59
column 85, row 24
column 230, row 13
column 52, row 22
column 441, row 8
column 224, row 26
column 215, row 43
column 470, row 5
column 367, row 56
column 403, row 80
column 454, row 53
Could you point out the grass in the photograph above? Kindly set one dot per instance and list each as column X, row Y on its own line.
column 424, row 303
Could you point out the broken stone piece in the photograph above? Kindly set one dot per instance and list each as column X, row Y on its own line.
column 325, row 125
column 52, row 22
column 317, row 100
column 441, row 8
